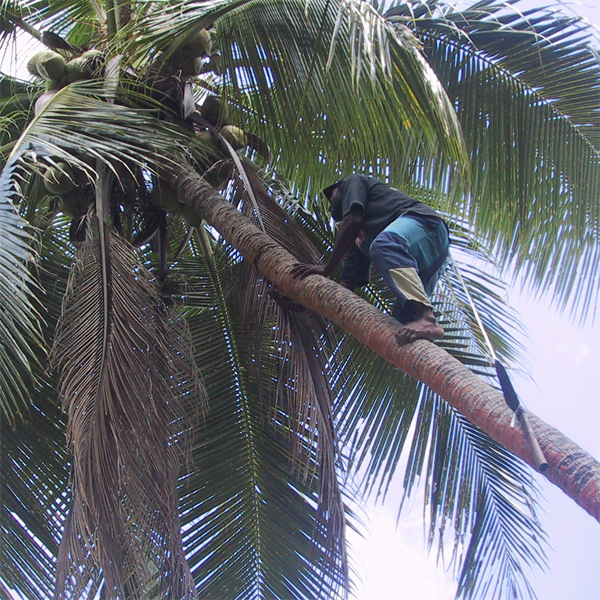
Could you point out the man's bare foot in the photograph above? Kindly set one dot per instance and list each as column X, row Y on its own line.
column 426, row 327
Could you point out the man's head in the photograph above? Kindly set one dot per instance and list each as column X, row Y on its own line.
column 328, row 191
column 332, row 193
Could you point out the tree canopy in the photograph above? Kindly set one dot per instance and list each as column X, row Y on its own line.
column 168, row 428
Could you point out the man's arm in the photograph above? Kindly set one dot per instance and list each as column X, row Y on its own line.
column 350, row 227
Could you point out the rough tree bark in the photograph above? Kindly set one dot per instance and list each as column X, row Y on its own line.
column 569, row 467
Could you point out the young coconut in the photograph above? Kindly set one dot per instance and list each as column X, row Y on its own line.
column 47, row 64
column 59, row 179
column 210, row 146
column 235, row 136
column 73, row 204
column 76, row 70
column 200, row 43
column 215, row 110
column 94, row 61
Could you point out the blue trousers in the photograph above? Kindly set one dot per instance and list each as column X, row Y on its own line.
column 410, row 255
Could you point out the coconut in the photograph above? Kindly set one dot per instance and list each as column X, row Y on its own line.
column 210, row 150
column 209, row 145
column 32, row 66
column 215, row 110
column 200, row 43
column 198, row 63
column 234, row 135
column 76, row 70
column 59, row 179
column 191, row 217
column 163, row 196
column 47, row 64
column 52, row 86
column 73, row 204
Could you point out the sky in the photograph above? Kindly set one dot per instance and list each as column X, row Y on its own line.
column 563, row 390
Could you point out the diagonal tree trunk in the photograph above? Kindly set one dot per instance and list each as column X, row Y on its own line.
column 569, row 467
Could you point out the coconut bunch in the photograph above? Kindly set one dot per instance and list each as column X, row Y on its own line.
column 213, row 135
column 57, row 72
column 189, row 58
column 70, row 185
column 215, row 113
column 218, row 140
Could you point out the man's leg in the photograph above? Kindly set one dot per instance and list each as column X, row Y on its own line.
column 405, row 251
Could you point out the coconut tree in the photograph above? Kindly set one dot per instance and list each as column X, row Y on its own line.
column 171, row 427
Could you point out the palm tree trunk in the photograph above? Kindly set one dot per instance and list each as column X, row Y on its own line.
column 569, row 467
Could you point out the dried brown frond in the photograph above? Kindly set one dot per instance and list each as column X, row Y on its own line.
column 126, row 375
column 290, row 364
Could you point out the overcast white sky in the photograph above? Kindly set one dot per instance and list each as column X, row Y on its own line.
column 566, row 394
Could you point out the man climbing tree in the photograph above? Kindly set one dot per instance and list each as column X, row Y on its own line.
column 405, row 239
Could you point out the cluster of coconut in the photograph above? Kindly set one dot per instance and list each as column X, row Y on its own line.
column 57, row 72
column 216, row 165
column 189, row 59
column 61, row 180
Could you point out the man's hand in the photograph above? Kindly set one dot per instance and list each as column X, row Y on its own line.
column 302, row 270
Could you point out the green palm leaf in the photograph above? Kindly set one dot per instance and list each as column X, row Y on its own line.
column 243, row 508
column 335, row 98
column 526, row 87
column 34, row 459
column 19, row 318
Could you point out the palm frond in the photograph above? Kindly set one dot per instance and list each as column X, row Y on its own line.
column 289, row 363
column 327, row 81
column 473, row 487
column 19, row 317
column 34, row 459
column 526, row 88
column 16, row 102
column 116, row 351
column 486, row 495
column 34, row 498
column 77, row 123
column 77, row 20
column 319, row 105
column 244, row 507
